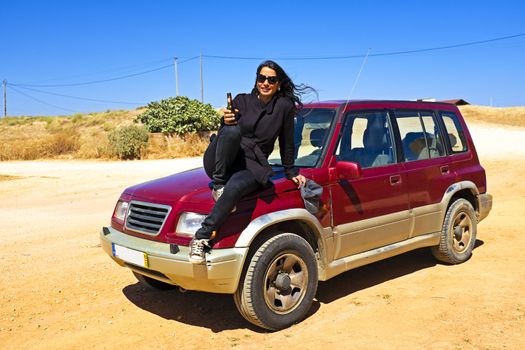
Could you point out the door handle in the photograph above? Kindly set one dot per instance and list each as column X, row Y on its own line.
column 445, row 170
column 395, row 180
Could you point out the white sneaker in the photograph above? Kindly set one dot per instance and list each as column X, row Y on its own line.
column 197, row 253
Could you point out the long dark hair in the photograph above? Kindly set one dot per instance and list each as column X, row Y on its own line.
column 287, row 87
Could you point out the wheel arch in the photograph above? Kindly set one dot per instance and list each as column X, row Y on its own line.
column 464, row 189
column 298, row 221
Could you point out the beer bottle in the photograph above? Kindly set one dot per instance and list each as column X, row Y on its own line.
column 229, row 102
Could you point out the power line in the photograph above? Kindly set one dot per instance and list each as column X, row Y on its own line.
column 78, row 97
column 393, row 53
column 113, row 70
column 98, row 81
column 189, row 59
column 479, row 42
column 109, row 79
column 38, row 100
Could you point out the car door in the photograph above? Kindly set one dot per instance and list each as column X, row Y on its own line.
column 372, row 210
column 427, row 167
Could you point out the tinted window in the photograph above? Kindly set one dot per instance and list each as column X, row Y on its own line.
column 420, row 135
column 366, row 139
column 311, row 131
column 455, row 133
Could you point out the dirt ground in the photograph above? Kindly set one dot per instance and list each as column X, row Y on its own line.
column 59, row 290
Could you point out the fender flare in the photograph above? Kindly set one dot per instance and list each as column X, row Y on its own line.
column 455, row 188
column 458, row 186
column 264, row 221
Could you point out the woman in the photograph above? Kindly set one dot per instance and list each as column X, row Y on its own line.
column 237, row 158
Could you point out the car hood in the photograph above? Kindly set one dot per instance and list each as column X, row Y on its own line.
column 193, row 186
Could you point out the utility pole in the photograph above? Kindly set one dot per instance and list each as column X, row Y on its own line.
column 5, row 98
column 176, row 75
column 202, row 84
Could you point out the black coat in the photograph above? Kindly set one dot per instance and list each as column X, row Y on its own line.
column 261, row 125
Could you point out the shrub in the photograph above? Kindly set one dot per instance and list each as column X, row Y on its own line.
column 180, row 116
column 128, row 142
column 66, row 141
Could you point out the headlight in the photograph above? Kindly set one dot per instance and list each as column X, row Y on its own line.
column 189, row 223
column 121, row 210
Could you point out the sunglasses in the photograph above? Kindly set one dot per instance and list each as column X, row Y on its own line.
column 271, row 79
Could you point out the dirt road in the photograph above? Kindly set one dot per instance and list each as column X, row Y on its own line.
column 59, row 290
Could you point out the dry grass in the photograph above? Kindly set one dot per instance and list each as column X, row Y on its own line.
column 512, row 116
column 83, row 136
column 191, row 145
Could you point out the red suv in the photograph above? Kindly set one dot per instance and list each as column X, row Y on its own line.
column 396, row 176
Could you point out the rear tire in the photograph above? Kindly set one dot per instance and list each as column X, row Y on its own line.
column 458, row 234
column 279, row 284
column 153, row 283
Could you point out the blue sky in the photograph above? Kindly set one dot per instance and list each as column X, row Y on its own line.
column 72, row 42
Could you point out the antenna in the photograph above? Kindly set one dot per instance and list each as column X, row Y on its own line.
column 357, row 78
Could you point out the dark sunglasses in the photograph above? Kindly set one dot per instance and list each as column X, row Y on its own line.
column 271, row 79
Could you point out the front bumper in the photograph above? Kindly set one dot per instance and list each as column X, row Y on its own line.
column 220, row 274
column 485, row 205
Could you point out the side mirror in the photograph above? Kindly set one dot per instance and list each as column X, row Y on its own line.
column 348, row 170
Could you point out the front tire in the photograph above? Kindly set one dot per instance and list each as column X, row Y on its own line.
column 458, row 234
column 279, row 284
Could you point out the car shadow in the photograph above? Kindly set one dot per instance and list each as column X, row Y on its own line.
column 218, row 313
column 214, row 311
column 373, row 274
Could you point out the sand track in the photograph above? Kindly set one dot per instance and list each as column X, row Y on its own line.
column 59, row 290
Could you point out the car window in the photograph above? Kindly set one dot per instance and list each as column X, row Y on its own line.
column 311, row 131
column 366, row 139
column 420, row 136
column 455, row 133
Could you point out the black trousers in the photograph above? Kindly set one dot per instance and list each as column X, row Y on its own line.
column 224, row 164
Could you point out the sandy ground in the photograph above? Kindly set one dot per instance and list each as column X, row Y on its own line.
column 59, row 290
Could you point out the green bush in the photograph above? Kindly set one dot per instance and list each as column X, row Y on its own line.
column 128, row 142
column 180, row 116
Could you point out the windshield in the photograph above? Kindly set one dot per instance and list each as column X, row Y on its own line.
column 311, row 131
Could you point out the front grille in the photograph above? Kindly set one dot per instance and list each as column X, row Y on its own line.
column 146, row 218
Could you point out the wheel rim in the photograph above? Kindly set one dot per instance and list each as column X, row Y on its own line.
column 462, row 232
column 286, row 281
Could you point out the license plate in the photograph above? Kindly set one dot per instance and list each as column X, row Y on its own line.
column 129, row 255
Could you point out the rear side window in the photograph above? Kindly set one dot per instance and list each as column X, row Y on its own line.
column 454, row 132
column 366, row 139
column 420, row 136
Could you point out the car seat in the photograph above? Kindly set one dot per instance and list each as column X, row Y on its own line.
column 414, row 146
column 376, row 150
column 317, row 139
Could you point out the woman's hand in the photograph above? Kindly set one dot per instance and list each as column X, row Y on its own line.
column 299, row 180
column 229, row 117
